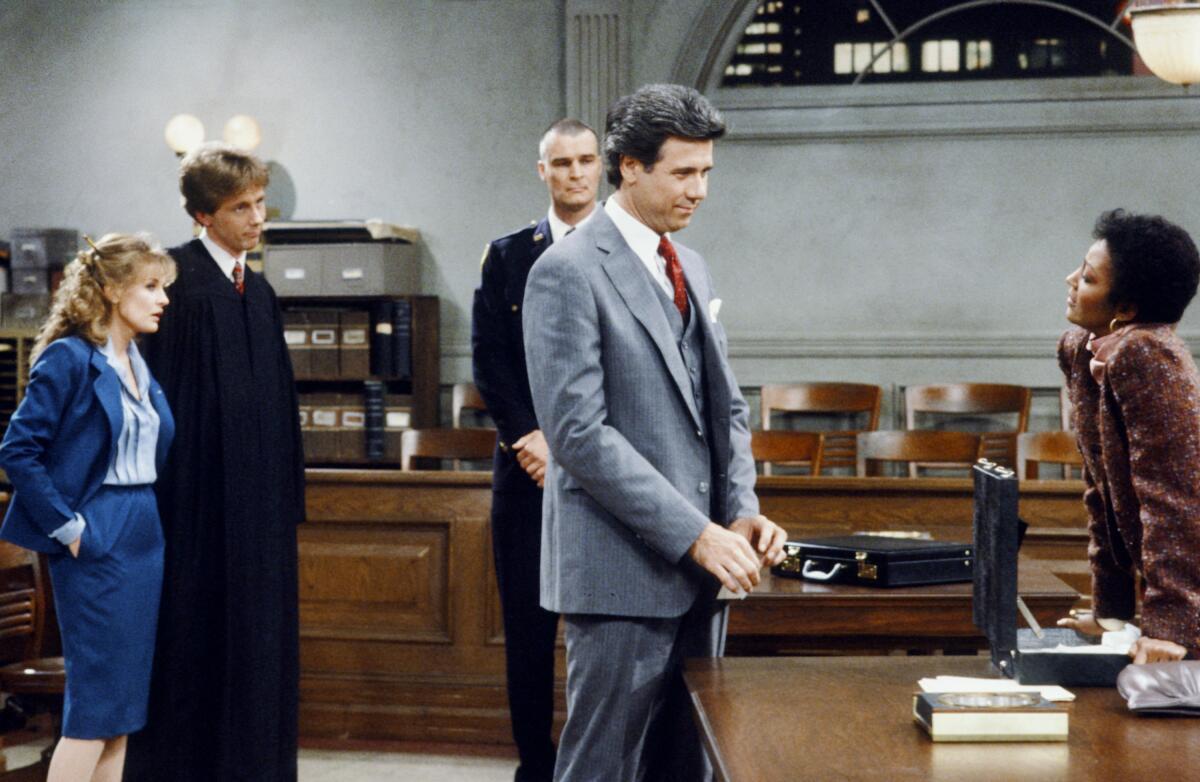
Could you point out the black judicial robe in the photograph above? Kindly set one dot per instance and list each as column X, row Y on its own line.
column 224, row 693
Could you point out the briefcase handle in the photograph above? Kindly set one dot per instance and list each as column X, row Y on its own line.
column 810, row 571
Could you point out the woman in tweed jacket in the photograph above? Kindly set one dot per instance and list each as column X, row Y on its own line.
column 1136, row 397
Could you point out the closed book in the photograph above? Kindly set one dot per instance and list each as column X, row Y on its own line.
column 984, row 717
column 375, row 418
column 381, row 339
column 402, row 339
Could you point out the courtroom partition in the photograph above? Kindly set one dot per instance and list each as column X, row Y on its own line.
column 400, row 630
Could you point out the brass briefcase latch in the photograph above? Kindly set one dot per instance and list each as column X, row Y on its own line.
column 865, row 569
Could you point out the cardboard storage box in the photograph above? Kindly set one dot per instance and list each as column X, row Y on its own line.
column 357, row 269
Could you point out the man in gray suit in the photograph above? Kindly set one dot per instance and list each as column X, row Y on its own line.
column 649, row 505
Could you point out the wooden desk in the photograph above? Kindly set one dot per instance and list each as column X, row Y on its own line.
column 400, row 629
column 850, row 718
column 792, row 616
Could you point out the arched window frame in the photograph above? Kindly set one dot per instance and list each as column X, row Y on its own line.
column 1091, row 106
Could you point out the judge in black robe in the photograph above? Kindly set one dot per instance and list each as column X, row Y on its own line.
column 224, row 694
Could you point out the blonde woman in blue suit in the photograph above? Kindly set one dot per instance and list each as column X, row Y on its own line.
column 82, row 452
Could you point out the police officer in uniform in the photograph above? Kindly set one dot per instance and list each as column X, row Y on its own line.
column 569, row 164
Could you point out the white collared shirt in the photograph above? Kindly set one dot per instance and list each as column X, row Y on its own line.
column 222, row 256
column 643, row 240
column 559, row 229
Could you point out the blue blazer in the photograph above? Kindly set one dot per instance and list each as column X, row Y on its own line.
column 62, row 439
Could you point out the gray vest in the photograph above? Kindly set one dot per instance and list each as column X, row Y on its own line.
column 690, row 340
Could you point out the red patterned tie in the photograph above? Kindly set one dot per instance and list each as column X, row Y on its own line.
column 675, row 274
column 239, row 280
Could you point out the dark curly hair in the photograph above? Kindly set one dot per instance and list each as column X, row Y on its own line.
column 1156, row 267
column 638, row 124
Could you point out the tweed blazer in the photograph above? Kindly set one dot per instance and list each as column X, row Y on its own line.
column 633, row 477
column 1139, row 433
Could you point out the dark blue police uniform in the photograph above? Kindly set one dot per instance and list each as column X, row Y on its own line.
column 498, row 359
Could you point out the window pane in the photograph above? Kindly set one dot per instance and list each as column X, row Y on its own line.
column 831, row 41
column 843, row 58
column 862, row 56
column 929, row 57
column 883, row 64
column 949, row 55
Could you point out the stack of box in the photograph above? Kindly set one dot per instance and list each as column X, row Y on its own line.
column 351, row 428
column 37, row 255
column 329, row 344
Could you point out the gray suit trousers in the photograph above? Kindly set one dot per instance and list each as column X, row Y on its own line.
column 628, row 714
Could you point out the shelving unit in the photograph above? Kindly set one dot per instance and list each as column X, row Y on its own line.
column 333, row 403
column 15, row 347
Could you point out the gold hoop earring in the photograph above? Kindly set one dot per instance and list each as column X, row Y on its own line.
column 1115, row 324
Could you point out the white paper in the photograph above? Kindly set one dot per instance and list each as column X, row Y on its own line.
column 1111, row 642
column 1051, row 692
column 725, row 594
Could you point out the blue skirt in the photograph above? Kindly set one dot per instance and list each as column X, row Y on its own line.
column 107, row 601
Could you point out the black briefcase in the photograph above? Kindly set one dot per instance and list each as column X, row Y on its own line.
column 874, row 560
column 1019, row 653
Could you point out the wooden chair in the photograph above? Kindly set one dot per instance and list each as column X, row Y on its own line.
column 466, row 397
column 860, row 399
column 1033, row 448
column 782, row 447
column 974, row 399
column 37, row 683
column 931, row 448
column 466, row 444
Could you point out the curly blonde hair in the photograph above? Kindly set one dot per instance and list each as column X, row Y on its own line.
column 80, row 307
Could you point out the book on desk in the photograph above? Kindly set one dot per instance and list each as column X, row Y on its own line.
column 979, row 716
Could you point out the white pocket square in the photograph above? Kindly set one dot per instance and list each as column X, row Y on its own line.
column 714, row 308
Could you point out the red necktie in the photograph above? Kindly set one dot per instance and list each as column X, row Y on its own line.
column 675, row 274
column 239, row 280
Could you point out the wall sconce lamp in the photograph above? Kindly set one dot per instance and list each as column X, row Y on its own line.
column 185, row 132
column 242, row 132
column 1167, row 34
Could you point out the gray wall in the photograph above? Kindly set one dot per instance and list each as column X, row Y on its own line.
column 422, row 113
column 896, row 235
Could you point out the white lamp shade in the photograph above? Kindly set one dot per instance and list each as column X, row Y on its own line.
column 1168, row 40
column 242, row 132
column 184, row 133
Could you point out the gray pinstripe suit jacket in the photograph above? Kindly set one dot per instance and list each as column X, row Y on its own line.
column 632, row 480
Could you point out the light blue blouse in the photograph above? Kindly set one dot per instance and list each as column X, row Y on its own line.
column 133, row 462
